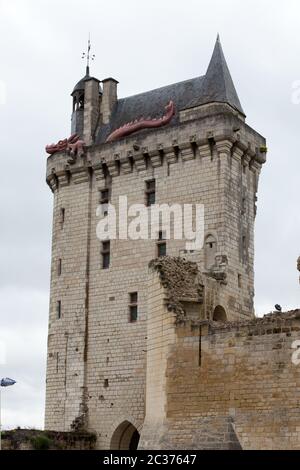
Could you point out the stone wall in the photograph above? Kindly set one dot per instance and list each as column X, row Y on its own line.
column 221, row 385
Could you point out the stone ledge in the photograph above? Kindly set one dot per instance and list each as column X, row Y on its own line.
column 271, row 323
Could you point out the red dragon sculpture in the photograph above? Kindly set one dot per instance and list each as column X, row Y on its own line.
column 143, row 123
column 73, row 146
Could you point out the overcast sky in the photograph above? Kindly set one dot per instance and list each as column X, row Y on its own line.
column 144, row 45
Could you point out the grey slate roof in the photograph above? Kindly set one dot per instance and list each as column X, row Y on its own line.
column 151, row 104
column 216, row 85
column 81, row 84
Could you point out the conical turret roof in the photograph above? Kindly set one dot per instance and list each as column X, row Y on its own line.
column 81, row 84
column 217, row 83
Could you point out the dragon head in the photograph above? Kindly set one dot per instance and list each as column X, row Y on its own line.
column 61, row 144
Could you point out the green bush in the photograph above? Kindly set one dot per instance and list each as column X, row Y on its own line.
column 263, row 149
column 41, row 442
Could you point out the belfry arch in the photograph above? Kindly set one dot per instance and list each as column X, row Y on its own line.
column 125, row 437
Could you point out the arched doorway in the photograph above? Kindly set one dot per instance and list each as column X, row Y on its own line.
column 125, row 437
column 219, row 314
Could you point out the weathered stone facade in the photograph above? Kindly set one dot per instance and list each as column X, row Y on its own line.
column 105, row 373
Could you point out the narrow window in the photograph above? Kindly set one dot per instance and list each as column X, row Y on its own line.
column 59, row 267
column 104, row 200
column 244, row 249
column 133, row 306
column 243, row 209
column 104, row 196
column 106, row 384
column 150, row 192
column 105, row 254
column 58, row 309
column 62, row 217
column 161, row 245
column 210, row 251
column 81, row 101
column 239, row 280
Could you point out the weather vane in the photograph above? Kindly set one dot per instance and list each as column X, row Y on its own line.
column 87, row 55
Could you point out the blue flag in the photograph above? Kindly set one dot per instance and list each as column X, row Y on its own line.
column 7, row 382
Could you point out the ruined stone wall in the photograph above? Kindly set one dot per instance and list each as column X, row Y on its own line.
column 226, row 386
column 245, row 375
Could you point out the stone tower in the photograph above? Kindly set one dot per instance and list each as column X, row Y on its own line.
column 200, row 151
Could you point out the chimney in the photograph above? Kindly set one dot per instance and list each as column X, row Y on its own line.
column 91, row 109
column 109, row 98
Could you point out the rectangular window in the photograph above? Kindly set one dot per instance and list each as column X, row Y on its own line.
column 243, row 208
column 59, row 267
column 150, row 192
column 133, row 306
column 104, row 196
column 133, row 297
column 244, row 249
column 58, row 309
column 105, row 254
column 161, row 245
column 104, row 200
column 62, row 217
column 161, row 235
column 161, row 249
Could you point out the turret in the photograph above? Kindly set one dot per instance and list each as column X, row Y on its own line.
column 86, row 95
